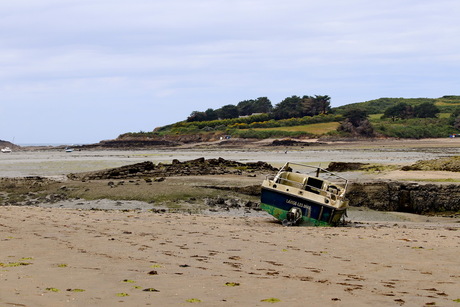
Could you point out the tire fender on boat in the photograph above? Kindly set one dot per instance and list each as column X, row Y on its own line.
column 293, row 217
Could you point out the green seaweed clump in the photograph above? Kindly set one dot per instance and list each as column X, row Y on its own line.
column 13, row 264
column 52, row 289
column 75, row 290
column 271, row 300
column 232, row 284
column 193, row 300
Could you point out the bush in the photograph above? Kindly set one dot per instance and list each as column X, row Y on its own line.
column 265, row 134
column 415, row 131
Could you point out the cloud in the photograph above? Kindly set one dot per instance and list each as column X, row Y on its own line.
column 169, row 58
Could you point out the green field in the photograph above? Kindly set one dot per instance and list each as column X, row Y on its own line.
column 317, row 129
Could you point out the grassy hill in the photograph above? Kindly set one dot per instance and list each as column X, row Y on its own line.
column 325, row 125
column 446, row 104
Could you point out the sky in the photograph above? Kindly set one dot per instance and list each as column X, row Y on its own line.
column 82, row 71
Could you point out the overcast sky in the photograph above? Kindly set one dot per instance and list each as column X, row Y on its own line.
column 87, row 70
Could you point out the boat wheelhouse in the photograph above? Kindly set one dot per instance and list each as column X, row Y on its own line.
column 297, row 197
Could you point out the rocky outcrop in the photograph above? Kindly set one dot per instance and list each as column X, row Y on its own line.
column 450, row 164
column 405, row 197
column 290, row 142
column 345, row 166
column 128, row 144
column 195, row 167
column 123, row 142
column 8, row 144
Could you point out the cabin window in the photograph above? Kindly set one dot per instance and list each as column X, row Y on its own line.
column 314, row 182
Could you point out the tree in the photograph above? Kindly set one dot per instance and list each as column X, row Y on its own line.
column 453, row 116
column 315, row 105
column 262, row 105
column 355, row 116
column 401, row 110
column 309, row 106
column 196, row 116
column 245, row 107
column 259, row 105
column 426, row 110
column 288, row 108
column 228, row 111
column 211, row 114
column 323, row 104
column 456, row 123
column 356, row 123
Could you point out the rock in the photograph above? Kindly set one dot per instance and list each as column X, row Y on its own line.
column 405, row 197
column 289, row 142
column 199, row 166
column 345, row 166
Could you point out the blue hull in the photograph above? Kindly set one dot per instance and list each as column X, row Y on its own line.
column 278, row 204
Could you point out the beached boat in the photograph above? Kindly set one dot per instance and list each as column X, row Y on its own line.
column 6, row 150
column 298, row 196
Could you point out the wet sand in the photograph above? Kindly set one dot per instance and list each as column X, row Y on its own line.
column 59, row 163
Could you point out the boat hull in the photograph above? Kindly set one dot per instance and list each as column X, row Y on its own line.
column 278, row 204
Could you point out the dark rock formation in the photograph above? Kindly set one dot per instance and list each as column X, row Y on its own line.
column 9, row 144
column 405, row 197
column 450, row 164
column 345, row 166
column 128, row 144
column 195, row 167
column 289, row 142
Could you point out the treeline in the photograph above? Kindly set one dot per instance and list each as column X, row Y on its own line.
column 290, row 107
column 404, row 111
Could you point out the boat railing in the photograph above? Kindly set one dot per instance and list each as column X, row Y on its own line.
column 291, row 183
column 334, row 193
column 310, row 184
column 305, row 169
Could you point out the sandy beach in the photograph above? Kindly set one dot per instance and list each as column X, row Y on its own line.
column 65, row 255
